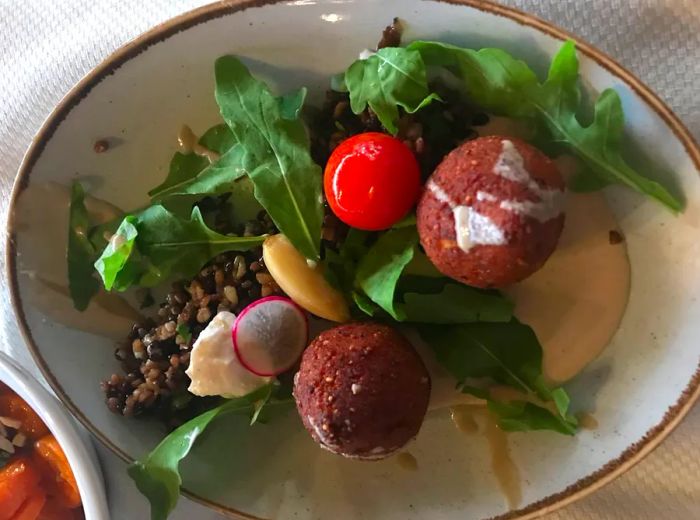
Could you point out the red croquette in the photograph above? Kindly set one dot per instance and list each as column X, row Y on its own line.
column 362, row 391
column 508, row 196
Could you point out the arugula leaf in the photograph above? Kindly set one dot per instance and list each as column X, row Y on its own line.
column 392, row 77
column 80, row 254
column 214, row 179
column 156, row 245
column 274, row 152
column 378, row 277
column 363, row 303
column 112, row 265
column 183, row 168
column 292, row 103
column 599, row 144
column 518, row 416
column 218, row 138
column 380, row 269
column 507, row 354
column 507, row 86
column 456, row 303
column 157, row 475
column 341, row 266
column 193, row 174
column 494, row 79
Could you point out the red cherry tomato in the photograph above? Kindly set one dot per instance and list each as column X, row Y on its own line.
column 371, row 181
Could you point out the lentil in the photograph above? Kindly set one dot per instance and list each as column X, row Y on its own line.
column 155, row 357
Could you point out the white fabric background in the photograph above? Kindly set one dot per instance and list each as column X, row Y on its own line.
column 48, row 45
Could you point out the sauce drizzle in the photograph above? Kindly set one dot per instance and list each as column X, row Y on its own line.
column 189, row 143
column 407, row 461
column 586, row 421
column 504, row 469
column 471, row 227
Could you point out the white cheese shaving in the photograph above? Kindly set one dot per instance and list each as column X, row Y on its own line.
column 214, row 367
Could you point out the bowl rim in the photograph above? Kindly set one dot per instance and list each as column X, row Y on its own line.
column 579, row 489
column 78, row 448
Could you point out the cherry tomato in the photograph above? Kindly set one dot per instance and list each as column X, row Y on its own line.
column 371, row 181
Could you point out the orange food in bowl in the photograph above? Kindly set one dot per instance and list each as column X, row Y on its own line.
column 53, row 510
column 32, row 507
column 18, row 480
column 36, row 481
column 57, row 473
column 14, row 407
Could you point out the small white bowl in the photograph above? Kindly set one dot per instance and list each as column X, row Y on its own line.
column 75, row 442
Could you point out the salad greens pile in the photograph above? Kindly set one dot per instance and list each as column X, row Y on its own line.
column 264, row 160
column 472, row 331
column 506, row 86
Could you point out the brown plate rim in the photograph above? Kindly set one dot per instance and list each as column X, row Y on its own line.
column 161, row 32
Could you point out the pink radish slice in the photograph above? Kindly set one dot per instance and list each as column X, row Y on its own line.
column 269, row 335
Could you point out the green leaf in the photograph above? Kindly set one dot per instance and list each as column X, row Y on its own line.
column 392, row 77
column 506, row 86
column 586, row 182
column 421, row 266
column 112, row 264
column 183, row 168
column 340, row 267
column 157, row 475
column 493, row 78
column 80, row 254
column 157, row 245
column 364, row 304
column 213, row 179
column 191, row 174
column 274, row 152
column 517, row 416
column 378, row 277
column 292, row 103
column 506, row 354
column 456, row 303
column 259, row 404
column 380, row 268
column 561, row 400
column 599, row 144
column 408, row 221
column 218, row 138
column 183, row 330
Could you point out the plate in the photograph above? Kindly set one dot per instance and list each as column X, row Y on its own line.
column 639, row 388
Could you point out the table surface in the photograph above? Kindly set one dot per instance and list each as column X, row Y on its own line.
column 46, row 47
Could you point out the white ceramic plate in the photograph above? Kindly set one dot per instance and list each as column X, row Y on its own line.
column 75, row 442
column 640, row 387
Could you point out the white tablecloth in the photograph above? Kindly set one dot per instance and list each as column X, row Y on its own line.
column 48, row 45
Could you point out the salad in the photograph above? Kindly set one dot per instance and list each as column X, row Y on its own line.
column 389, row 213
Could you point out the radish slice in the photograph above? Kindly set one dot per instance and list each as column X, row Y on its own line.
column 269, row 335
